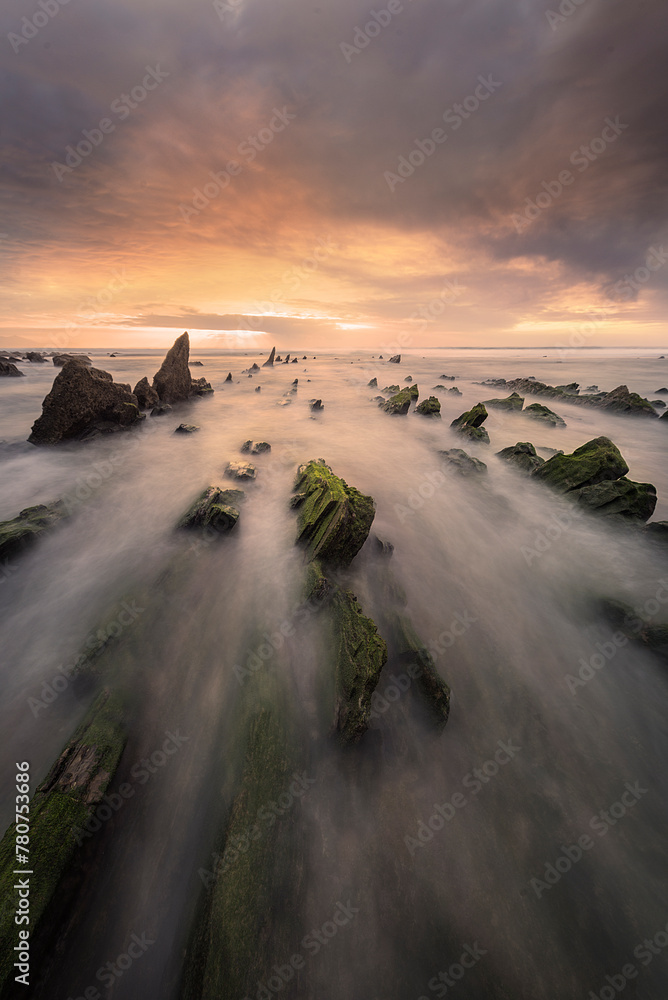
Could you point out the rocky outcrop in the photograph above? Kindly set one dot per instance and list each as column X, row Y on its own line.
column 463, row 463
column 399, row 404
column 229, row 377
column 215, row 509
column 360, row 655
column 523, row 455
column 543, row 414
column 173, row 382
column 334, row 519
column 24, row 529
column 621, row 499
column 514, row 403
column 35, row 357
column 186, row 429
column 620, row 400
column 429, row 407
column 395, row 360
column 240, row 470
column 595, row 462
column 255, row 447
column 315, row 405
column 270, row 360
column 373, row 384
column 60, row 360
column 469, row 424
column 146, row 395
column 84, row 403
column 9, row 370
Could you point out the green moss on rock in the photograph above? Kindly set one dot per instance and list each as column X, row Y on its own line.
column 360, row 656
column 430, row 407
column 215, row 509
column 594, row 462
column 23, row 530
column 333, row 518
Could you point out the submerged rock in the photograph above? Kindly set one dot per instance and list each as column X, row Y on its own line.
column 83, row 403
column 635, row 626
column 464, row 464
column 240, row 470
column 197, row 363
column 146, row 395
column 396, row 359
column 430, row 407
column 514, row 403
column 24, row 529
column 173, row 382
column 360, row 655
column 542, row 413
column 9, row 370
column 334, row 519
column 373, row 384
column 186, row 429
column 36, row 358
column 523, row 455
column 255, row 447
column 469, row 424
column 595, row 462
column 315, row 405
column 392, row 388
column 214, row 508
column 621, row 498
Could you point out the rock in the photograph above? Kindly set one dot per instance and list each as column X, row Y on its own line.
column 399, row 404
column 60, row 360
column 430, row 407
column 173, row 382
column 658, row 404
column 392, row 388
column 83, row 403
column 635, row 626
column 657, row 530
column 247, row 371
column 240, row 470
column 334, row 519
column 662, row 392
column 146, row 395
column 8, row 370
column 316, row 404
column 195, row 363
column 542, row 413
column 296, row 382
column 464, row 464
column 514, row 403
column 360, row 655
column 597, row 461
column 214, row 508
column 455, row 391
column 161, row 410
column 396, row 359
column 229, row 377
column 294, row 361
column 259, row 388
column 383, row 548
column 592, row 388
column 469, row 424
column 270, row 359
column 373, row 384
column 23, row 530
column 621, row 498
column 448, row 378
column 620, row 400
column 523, row 455
column 255, row 447
column 409, row 378
column 37, row 358
column 186, row 429
column 283, row 402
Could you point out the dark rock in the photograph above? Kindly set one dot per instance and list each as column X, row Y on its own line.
column 316, row 404
column 373, row 384
column 430, row 407
column 259, row 388
column 146, row 395
column 399, row 404
column 597, row 461
column 37, row 358
column 514, row 403
column 200, row 387
column 196, row 363
column 229, row 377
column 214, row 508
column 240, row 470
column 334, row 519
column 523, row 455
column 361, row 655
column 635, row 626
column 455, row 391
column 270, row 359
column 186, row 429
column 255, row 447
column 296, row 382
column 23, row 530
column 392, row 389
column 173, row 382
column 396, row 359
column 542, row 413
column 8, row 370
column 463, row 463
column 294, row 361
column 662, row 392
column 409, row 378
column 383, row 548
column 469, row 424
column 161, row 410
column 60, row 360
column 657, row 530
column 83, row 403
column 658, row 404
column 448, row 378
column 621, row 498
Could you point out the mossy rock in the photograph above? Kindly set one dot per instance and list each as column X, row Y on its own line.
column 334, row 519
column 513, row 403
column 214, row 508
column 391, row 388
column 430, row 407
column 24, row 530
column 545, row 415
column 360, row 655
column 399, row 404
column 470, row 423
column 621, row 498
column 522, row 455
column 595, row 462
column 411, row 651
column 463, row 463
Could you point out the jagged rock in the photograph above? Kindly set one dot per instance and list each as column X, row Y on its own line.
column 334, row 519
column 409, row 378
column 383, row 548
column 592, row 388
column 360, row 655
column 411, row 652
column 60, row 360
column 186, row 429
column 36, row 358
column 146, row 395
column 595, row 462
column 214, row 508
column 173, row 382
column 523, row 455
column 373, row 384
column 448, row 378
column 83, row 403
column 8, row 370
column 396, row 359
column 24, row 529
column 296, row 382
column 255, row 447
column 515, row 402
column 270, row 359
column 399, row 404
column 464, row 464
column 542, row 413
column 229, row 377
column 469, row 424
column 161, row 410
column 316, row 404
column 392, row 388
column 430, row 407
column 620, row 400
column 196, row 363
column 455, row 391
column 294, row 361
column 240, row 470
column 621, row 498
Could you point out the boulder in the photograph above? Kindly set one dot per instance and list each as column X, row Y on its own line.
column 514, row 403
column 396, row 359
column 448, row 378
column 24, row 529
column 255, row 447
column 469, row 424
column 186, row 429
column 334, row 519
column 463, row 463
column 315, row 404
column 36, row 358
column 229, row 377
column 430, row 407
column 391, row 388
column 270, row 360
column 409, row 378
column 658, row 404
column 399, row 404
column 373, row 384
column 195, row 363
column 523, row 455
column 60, row 360
column 597, row 461
column 240, row 470
column 83, row 403
column 173, row 382
column 8, row 370
column 146, row 395
column 621, row 498
column 546, row 416
column 214, row 508
column 662, row 392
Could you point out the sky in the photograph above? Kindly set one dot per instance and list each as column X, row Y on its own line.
column 414, row 173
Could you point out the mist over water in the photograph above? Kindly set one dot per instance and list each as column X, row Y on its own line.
column 465, row 552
